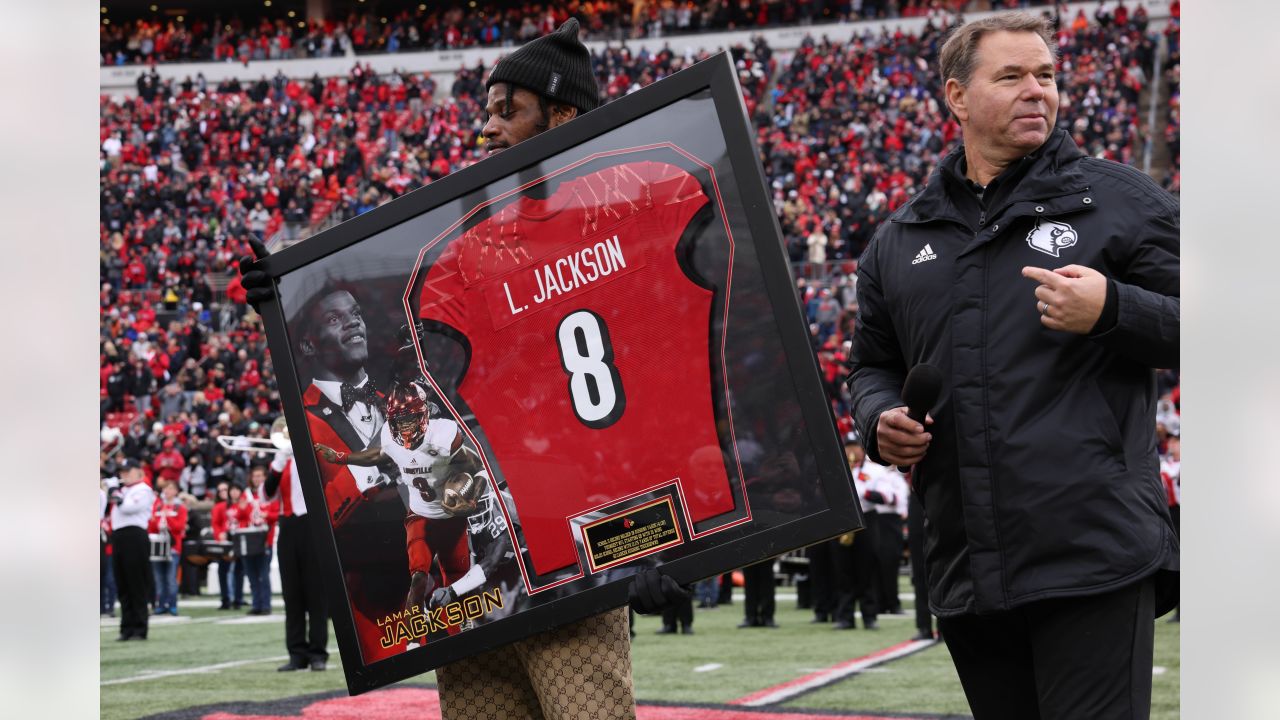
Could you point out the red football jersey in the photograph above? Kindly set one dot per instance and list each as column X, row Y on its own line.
column 589, row 348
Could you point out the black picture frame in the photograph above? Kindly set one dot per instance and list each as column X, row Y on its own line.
column 715, row 78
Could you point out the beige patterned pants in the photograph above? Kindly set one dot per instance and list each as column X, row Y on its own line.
column 580, row 671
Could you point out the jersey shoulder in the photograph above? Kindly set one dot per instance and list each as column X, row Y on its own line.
column 440, row 435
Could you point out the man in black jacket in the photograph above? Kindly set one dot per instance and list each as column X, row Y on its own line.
column 1045, row 285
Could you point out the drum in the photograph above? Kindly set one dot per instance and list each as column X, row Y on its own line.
column 160, row 547
column 202, row 551
column 248, row 543
column 218, row 549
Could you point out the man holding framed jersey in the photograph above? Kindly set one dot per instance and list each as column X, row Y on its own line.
column 541, row 85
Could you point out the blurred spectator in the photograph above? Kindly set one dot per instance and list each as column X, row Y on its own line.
column 1173, row 84
column 106, row 577
column 219, row 523
column 168, row 517
column 237, row 503
column 1171, row 474
column 194, row 480
column 678, row 617
column 758, row 595
column 254, row 513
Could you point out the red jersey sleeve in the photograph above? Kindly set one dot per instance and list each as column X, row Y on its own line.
column 441, row 297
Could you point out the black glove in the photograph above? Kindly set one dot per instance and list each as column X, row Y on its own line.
column 651, row 591
column 256, row 282
column 443, row 596
column 116, row 497
column 875, row 496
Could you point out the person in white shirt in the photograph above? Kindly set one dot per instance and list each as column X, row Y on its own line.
column 130, row 553
column 857, row 563
column 886, row 490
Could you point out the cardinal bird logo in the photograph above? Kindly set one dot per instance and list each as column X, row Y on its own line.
column 627, row 523
column 1050, row 237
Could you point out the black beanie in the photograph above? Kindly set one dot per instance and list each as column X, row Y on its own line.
column 556, row 66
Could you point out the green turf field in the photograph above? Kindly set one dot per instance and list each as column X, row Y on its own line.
column 202, row 659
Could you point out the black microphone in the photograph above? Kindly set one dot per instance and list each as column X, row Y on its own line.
column 920, row 392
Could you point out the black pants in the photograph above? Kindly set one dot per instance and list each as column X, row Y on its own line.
column 135, row 583
column 1060, row 659
column 857, row 575
column 889, row 557
column 726, row 590
column 678, row 612
column 191, row 576
column 306, row 621
column 822, row 579
column 919, row 582
column 758, row 587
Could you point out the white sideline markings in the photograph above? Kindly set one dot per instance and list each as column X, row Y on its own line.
column 1159, row 670
column 252, row 619
column 157, row 674
column 708, row 667
column 788, row 690
column 155, row 622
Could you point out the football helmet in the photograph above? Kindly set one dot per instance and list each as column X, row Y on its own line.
column 407, row 412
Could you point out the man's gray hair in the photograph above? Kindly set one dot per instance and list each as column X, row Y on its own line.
column 959, row 52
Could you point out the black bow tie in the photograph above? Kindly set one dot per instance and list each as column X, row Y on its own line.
column 366, row 394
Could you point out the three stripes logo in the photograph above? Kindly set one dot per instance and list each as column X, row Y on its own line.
column 926, row 253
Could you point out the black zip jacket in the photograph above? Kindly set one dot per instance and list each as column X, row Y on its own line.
column 1042, row 479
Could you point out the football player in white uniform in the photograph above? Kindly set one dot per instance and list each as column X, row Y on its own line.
column 429, row 453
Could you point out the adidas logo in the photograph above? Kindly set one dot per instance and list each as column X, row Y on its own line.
column 926, row 253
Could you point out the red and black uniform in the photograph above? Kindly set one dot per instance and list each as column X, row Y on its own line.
column 589, row 284
column 219, row 523
column 168, row 517
column 268, row 515
column 256, row 514
column 219, row 518
column 344, row 485
column 175, row 520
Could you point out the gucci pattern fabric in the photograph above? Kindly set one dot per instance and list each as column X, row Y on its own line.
column 580, row 671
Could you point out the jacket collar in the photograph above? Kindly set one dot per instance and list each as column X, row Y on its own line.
column 1051, row 171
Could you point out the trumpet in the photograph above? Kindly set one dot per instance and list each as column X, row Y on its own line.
column 279, row 440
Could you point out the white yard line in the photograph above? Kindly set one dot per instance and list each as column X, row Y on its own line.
column 799, row 686
column 708, row 667
column 155, row 622
column 157, row 674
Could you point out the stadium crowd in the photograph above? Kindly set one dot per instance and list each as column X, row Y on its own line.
column 1173, row 85
column 848, row 132
column 407, row 26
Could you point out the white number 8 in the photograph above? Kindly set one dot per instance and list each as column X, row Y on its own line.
column 587, row 356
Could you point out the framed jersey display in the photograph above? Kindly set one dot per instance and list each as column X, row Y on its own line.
column 513, row 388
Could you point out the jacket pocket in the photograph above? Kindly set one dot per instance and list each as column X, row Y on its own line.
column 1109, row 425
